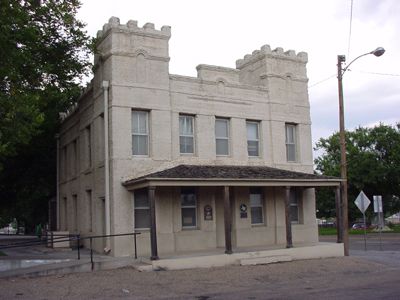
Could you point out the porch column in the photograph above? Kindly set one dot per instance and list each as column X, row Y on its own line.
column 153, row 228
column 227, row 221
column 289, row 243
column 339, row 219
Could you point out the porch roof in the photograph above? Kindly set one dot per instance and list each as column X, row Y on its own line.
column 226, row 175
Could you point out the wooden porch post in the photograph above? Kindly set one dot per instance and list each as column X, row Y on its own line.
column 289, row 243
column 227, row 221
column 339, row 219
column 153, row 228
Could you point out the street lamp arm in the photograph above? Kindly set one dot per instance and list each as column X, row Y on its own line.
column 377, row 52
column 345, row 69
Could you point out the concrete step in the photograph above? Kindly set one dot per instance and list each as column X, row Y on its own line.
column 265, row 260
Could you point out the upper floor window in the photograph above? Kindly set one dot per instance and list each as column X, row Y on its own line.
column 88, row 147
column 256, row 206
column 253, row 138
column 222, row 136
column 290, row 142
column 186, row 134
column 188, row 208
column 140, row 132
column 142, row 209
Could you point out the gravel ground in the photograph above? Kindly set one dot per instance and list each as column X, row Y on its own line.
column 308, row 279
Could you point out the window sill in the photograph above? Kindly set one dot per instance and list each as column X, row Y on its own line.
column 258, row 225
column 142, row 230
column 190, row 229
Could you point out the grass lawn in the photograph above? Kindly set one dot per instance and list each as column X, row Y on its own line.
column 332, row 230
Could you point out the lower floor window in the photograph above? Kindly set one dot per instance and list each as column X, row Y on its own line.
column 142, row 209
column 294, row 206
column 256, row 205
column 188, row 208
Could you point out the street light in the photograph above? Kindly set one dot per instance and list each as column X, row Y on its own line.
column 344, row 234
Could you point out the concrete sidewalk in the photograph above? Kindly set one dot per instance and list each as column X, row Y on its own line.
column 40, row 260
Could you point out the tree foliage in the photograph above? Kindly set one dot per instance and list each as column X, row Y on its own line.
column 44, row 51
column 373, row 165
column 44, row 54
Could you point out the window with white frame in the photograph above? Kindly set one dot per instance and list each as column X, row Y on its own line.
column 142, row 209
column 256, row 206
column 140, row 132
column 291, row 142
column 186, row 134
column 294, row 200
column 253, row 138
column 188, row 208
column 222, row 136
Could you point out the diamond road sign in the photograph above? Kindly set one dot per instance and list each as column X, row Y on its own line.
column 362, row 202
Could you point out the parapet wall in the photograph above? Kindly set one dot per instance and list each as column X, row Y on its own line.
column 277, row 53
column 132, row 27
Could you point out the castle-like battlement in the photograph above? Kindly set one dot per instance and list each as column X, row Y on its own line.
column 276, row 53
column 131, row 26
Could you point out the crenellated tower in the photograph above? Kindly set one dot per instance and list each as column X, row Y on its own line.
column 282, row 72
column 129, row 54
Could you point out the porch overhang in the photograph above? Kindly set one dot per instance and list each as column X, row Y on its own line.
column 200, row 175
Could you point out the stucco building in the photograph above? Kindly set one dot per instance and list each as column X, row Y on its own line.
column 221, row 160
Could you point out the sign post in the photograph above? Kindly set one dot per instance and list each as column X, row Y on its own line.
column 378, row 208
column 362, row 202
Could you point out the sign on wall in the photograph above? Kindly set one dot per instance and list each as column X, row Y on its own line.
column 208, row 213
column 243, row 211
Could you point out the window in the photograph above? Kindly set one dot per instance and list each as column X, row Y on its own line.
column 140, row 132
column 256, row 206
column 188, row 208
column 65, row 208
column 90, row 210
column 253, row 138
column 186, row 134
column 142, row 209
column 290, row 142
column 222, row 136
column 100, row 139
column 74, row 159
column 75, row 209
column 64, row 165
column 294, row 200
column 88, row 147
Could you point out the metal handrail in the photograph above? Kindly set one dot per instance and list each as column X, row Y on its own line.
column 58, row 238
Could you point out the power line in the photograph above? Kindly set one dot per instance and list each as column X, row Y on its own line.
column 350, row 26
column 321, row 81
column 377, row 73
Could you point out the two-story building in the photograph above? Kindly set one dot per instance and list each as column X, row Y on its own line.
column 221, row 160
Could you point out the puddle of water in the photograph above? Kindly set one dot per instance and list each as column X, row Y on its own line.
column 13, row 264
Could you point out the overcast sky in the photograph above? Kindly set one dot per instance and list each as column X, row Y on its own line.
column 218, row 32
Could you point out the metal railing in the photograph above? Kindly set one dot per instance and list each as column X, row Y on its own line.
column 52, row 238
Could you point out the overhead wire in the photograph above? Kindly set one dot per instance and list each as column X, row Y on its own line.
column 350, row 27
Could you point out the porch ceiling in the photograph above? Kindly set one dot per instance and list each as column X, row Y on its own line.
column 201, row 175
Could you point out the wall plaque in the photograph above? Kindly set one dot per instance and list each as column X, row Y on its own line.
column 208, row 213
column 243, row 211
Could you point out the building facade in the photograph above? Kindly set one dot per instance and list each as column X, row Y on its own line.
column 223, row 159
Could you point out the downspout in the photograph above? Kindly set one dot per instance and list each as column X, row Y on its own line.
column 58, row 181
column 106, row 168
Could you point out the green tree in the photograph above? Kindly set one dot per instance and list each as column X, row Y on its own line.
column 373, row 165
column 44, row 54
